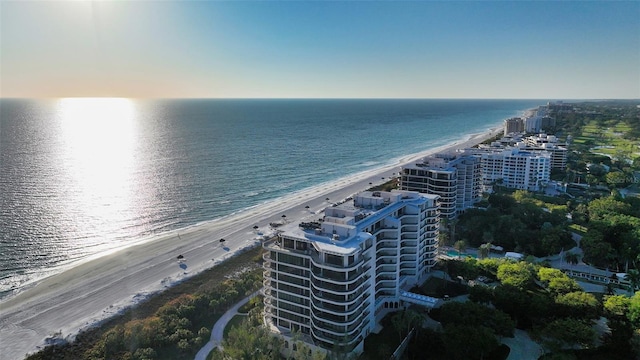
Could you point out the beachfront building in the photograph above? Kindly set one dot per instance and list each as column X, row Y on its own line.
column 525, row 170
column 454, row 177
column 329, row 282
column 558, row 154
column 550, row 144
column 536, row 120
column 513, row 167
column 513, row 125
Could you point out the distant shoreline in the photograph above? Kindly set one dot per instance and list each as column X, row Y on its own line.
column 101, row 287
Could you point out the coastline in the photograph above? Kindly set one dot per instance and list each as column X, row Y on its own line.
column 96, row 289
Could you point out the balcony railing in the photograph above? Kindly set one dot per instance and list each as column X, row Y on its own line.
column 315, row 260
column 339, row 310
column 340, row 319
column 338, row 289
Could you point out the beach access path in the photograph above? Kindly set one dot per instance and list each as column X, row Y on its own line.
column 95, row 290
column 217, row 332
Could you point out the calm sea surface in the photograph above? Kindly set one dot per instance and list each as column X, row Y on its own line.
column 82, row 176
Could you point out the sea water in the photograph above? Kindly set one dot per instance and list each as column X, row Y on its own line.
column 79, row 177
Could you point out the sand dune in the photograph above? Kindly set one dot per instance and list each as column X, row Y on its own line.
column 96, row 289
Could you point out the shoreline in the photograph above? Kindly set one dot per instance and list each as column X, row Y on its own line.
column 98, row 288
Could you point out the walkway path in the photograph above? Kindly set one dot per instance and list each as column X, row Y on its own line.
column 522, row 347
column 217, row 333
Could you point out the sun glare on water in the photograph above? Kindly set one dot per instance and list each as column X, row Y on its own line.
column 98, row 136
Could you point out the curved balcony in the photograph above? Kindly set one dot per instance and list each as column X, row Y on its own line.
column 407, row 265
column 340, row 320
column 385, row 293
column 339, row 289
column 384, row 228
column 389, row 285
column 341, row 329
column 386, row 269
column 408, row 272
column 339, row 299
column 329, row 341
column 331, row 333
column 386, row 244
column 331, row 308
column 337, row 279
column 387, row 254
column 315, row 260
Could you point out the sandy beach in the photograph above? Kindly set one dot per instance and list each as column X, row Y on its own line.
column 99, row 288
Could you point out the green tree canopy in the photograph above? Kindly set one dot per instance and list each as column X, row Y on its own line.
column 634, row 310
column 519, row 275
column 469, row 342
column 617, row 305
column 474, row 314
column 563, row 333
column 578, row 304
column 602, row 207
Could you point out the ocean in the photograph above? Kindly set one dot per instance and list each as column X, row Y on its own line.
column 80, row 177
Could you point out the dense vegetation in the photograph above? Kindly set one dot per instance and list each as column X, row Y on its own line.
column 172, row 325
column 517, row 222
column 541, row 300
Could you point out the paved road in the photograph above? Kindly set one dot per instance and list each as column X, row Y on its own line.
column 217, row 333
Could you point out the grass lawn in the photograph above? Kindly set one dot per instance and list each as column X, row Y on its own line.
column 610, row 137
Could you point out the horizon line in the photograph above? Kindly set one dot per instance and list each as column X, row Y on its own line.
column 313, row 98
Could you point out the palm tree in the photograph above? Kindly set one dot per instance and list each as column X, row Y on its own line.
column 406, row 320
column 460, row 246
column 571, row 258
column 483, row 250
column 633, row 276
column 443, row 237
column 452, row 230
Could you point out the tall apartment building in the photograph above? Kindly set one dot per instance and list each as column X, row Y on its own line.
column 513, row 167
column 526, row 170
column 539, row 139
column 532, row 124
column 332, row 280
column 536, row 143
column 513, row 125
column 454, row 177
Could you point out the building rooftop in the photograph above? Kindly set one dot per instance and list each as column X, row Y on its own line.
column 340, row 231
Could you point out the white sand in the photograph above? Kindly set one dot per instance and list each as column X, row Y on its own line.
column 95, row 290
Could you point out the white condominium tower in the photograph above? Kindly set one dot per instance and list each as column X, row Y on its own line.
column 526, row 170
column 514, row 168
column 455, row 178
column 332, row 280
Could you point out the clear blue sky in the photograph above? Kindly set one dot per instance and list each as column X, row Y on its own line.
column 508, row 49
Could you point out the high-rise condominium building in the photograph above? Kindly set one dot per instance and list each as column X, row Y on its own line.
column 455, row 178
column 513, row 125
column 513, row 167
column 332, row 280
